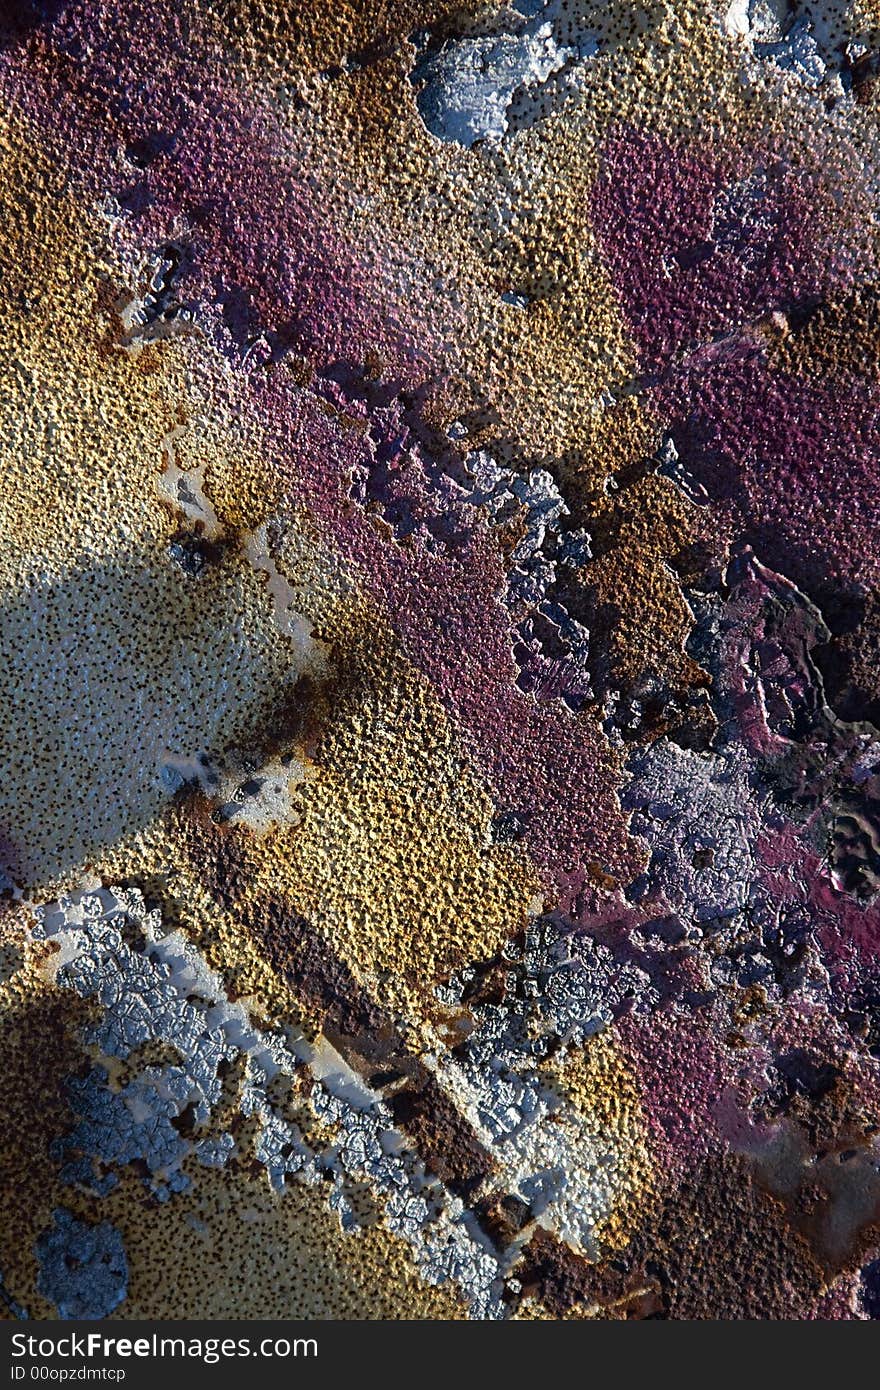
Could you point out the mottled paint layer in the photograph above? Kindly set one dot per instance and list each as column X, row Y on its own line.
column 440, row 822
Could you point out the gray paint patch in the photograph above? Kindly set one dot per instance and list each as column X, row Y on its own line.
column 83, row 1269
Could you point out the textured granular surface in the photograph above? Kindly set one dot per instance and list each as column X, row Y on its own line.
column 440, row 659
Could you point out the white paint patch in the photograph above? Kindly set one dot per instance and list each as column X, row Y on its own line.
column 308, row 651
column 185, row 487
column 467, row 88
